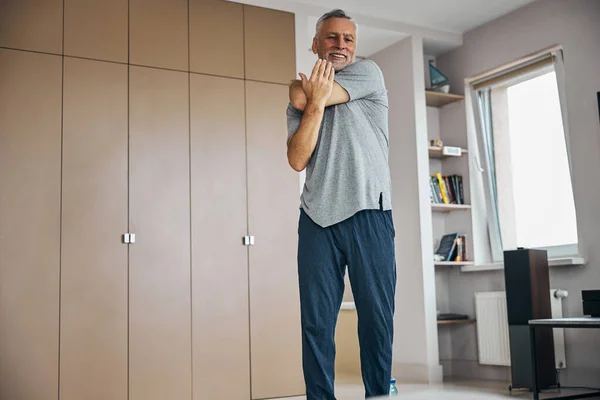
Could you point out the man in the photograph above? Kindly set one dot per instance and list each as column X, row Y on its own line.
column 338, row 131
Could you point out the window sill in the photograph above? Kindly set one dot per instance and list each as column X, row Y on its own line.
column 552, row 262
column 348, row 305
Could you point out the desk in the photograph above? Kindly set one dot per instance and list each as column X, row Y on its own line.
column 557, row 323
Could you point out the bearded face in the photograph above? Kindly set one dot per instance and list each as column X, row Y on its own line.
column 336, row 42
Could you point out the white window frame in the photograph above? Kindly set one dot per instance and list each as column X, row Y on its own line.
column 485, row 155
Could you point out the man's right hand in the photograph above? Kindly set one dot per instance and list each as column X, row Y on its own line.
column 318, row 87
column 317, row 90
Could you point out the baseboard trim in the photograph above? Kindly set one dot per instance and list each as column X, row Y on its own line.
column 471, row 369
column 447, row 367
column 580, row 376
column 417, row 373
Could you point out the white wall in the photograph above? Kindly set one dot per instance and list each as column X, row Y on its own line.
column 574, row 24
column 415, row 341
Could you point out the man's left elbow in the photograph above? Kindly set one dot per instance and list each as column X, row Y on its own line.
column 299, row 104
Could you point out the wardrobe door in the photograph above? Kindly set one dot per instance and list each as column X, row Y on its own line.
column 269, row 39
column 159, row 214
column 30, row 147
column 219, row 258
column 97, row 29
column 273, row 210
column 32, row 25
column 93, row 339
column 158, row 33
column 210, row 19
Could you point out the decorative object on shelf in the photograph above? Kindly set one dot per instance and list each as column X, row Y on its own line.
column 452, row 249
column 451, row 151
column 447, row 246
column 451, row 316
column 445, row 152
column 436, row 143
column 439, row 81
column 453, row 319
column 437, row 149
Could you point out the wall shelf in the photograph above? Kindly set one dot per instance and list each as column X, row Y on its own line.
column 453, row 263
column 552, row 262
column 438, row 99
column 438, row 152
column 456, row 322
column 441, row 207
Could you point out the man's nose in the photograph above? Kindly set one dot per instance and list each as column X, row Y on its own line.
column 340, row 44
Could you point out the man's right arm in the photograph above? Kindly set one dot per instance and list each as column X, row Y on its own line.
column 303, row 142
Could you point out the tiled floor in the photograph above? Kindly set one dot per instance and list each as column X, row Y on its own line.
column 350, row 388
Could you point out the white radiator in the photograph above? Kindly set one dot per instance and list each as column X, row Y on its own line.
column 492, row 329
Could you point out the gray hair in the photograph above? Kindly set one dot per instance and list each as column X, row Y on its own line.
column 334, row 14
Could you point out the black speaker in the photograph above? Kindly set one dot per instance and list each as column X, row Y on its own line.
column 591, row 303
column 527, row 282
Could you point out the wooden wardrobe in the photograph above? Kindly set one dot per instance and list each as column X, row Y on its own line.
column 148, row 216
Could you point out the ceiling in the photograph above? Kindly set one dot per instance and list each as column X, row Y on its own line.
column 456, row 16
column 441, row 23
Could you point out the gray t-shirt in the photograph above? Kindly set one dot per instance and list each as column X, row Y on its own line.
column 348, row 171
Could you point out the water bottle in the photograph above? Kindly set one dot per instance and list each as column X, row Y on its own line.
column 393, row 388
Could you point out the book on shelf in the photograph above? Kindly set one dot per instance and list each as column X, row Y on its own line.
column 460, row 252
column 446, row 189
column 452, row 247
column 451, row 317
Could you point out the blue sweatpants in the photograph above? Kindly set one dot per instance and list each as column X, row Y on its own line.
column 364, row 243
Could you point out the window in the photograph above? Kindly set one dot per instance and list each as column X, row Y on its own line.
column 524, row 146
column 543, row 194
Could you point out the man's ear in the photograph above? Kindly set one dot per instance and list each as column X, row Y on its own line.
column 314, row 45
